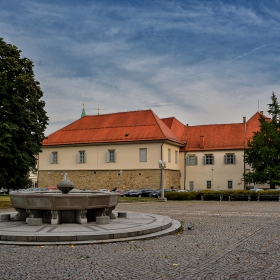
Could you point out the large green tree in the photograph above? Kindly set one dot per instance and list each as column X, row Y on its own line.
column 263, row 153
column 22, row 118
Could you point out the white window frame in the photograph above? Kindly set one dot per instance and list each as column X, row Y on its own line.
column 176, row 157
column 229, row 158
column 191, row 185
column 143, row 154
column 111, row 156
column 208, row 159
column 191, row 160
column 230, row 184
column 81, row 157
column 169, row 155
column 54, row 158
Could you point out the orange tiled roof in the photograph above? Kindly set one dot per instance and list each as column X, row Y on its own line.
column 147, row 126
column 220, row 136
column 176, row 127
column 214, row 137
column 253, row 124
column 110, row 128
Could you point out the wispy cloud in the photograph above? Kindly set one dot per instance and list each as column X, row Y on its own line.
column 202, row 62
column 251, row 51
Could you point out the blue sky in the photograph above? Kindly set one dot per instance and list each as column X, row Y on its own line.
column 201, row 61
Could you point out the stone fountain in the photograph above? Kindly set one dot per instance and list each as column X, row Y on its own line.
column 65, row 206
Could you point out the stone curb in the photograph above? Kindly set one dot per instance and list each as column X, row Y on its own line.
column 149, row 226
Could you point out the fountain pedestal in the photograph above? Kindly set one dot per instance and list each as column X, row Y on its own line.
column 68, row 207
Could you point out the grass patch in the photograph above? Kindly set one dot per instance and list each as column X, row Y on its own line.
column 137, row 199
column 5, row 201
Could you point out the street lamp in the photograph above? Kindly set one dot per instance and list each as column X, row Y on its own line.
column 162, row 165
column 212, row 176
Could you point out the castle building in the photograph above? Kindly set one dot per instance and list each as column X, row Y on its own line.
column 123, row 149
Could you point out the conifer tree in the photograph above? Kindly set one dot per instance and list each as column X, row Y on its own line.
column 22, row 118
column 263, row 154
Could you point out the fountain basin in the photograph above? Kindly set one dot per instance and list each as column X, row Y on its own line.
column 56, row 208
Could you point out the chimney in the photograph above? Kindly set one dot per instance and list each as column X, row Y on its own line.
column 261, row 112
column 244, row 120
column 201, row 144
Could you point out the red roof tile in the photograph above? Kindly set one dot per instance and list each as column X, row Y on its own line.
column 253, row 124
column 220, row 136
column 110, row 128
column 147, row 126
column 176, row 127
column 216, row 137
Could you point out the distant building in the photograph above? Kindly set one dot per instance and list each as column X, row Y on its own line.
column 122, row 150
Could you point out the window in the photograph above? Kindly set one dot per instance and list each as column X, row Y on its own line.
column 111, row 156
column 208, row 184
column 229, row 158
column 208, row 159
column 54, row 158
column 81, row 157
column 143, row 155
column 191, row 160
column 169, row 155
column 176, row 156
column 191, row 185
column 229, row 184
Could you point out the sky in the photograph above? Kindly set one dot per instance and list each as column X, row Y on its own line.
column 201, row 61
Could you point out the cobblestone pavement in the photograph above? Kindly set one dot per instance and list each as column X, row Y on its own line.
column 225, row 240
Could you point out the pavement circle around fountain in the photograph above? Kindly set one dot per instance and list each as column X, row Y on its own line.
column 135, row 226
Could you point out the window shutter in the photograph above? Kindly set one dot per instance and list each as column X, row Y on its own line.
column 107, row 156
column 78, row 157
column 195, row 160
column 213, row 159
column 51, row 158
column 85, row 157
column 56, row 157
column 234, row 159
column 187, row 160
column 225, row 159
column 204, row 159
column 114, row 156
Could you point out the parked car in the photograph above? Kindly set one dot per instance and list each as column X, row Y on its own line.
column 157, row 193
column 130, row 193
column 255, row 190
column 145, row 192
column 52, row 188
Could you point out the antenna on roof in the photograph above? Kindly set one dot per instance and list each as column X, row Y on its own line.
column 98, row 110
column 258, row 105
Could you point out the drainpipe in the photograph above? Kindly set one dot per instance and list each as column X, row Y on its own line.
column 161, row 155
column 38, row 171
column 244, row 145
column 185, row 171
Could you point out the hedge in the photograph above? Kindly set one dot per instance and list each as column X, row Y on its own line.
column 192, row 195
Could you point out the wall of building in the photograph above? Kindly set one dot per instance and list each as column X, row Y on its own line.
column 126, row 172
column 199, row 174
column 127, row 157
column 109, row 179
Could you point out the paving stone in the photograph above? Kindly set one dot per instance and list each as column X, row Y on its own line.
column 226, row 240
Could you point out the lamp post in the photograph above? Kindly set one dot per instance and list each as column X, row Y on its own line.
column 162, row 165
column 212, row 176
